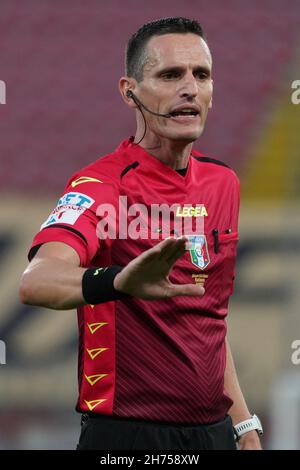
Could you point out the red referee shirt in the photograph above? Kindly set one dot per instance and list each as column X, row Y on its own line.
column 160, row 360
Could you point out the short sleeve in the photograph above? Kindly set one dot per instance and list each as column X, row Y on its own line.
column 74, row 219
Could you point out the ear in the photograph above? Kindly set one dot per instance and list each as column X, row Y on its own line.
column 125, row 84
column 211, row 99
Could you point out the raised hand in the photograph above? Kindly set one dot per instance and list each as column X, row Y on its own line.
column 147, row 275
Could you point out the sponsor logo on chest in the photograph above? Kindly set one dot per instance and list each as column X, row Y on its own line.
column 198, row 211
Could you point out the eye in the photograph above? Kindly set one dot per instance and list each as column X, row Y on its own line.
column 202, row 75
column 170, row 75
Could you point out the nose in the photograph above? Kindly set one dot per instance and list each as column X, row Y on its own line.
column 189, row 86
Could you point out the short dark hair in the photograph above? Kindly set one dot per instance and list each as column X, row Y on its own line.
column 135, row 58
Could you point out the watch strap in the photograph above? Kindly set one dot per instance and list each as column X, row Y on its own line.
column 251, row 424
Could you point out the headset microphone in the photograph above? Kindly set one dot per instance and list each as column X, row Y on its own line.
column 130, row 94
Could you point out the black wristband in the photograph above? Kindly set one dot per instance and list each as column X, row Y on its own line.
column 98, row 285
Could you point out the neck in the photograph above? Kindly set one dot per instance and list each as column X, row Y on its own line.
column 173, row 153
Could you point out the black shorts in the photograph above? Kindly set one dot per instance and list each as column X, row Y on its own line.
column 102, row 432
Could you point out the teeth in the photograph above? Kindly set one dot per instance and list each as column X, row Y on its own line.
column 186, row 111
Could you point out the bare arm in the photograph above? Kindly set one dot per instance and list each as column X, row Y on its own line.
column 239, row 410
column 53, row 279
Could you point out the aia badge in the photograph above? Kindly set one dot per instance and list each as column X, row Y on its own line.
column 199, row 251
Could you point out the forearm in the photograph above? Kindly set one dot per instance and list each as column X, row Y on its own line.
column 239, row 410
column 52, row 283
column 54, row 279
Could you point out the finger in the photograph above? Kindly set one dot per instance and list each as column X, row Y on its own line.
column 157, row 251
column 185, row 289
column 176, row 253
column 161, row 251
column 167, row 248
column 171, row 249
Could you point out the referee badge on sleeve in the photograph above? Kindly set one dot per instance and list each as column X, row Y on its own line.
column 69, row 208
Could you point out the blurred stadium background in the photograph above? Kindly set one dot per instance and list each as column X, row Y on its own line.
column 61, row 61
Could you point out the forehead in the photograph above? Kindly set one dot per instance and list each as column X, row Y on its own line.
column 177, row 49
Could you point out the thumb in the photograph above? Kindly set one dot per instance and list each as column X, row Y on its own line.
column 185, row 289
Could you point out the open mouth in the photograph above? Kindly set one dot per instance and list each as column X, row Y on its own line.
column 185, row 113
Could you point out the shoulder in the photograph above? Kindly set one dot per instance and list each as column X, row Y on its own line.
column 214, row 165
column 95, row 183
column 103, row 170
column 107, row 169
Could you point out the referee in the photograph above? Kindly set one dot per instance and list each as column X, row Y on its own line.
column 143, row 243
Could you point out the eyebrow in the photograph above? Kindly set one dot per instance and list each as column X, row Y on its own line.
column 176, row 68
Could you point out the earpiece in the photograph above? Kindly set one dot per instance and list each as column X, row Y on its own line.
column 140, row 105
